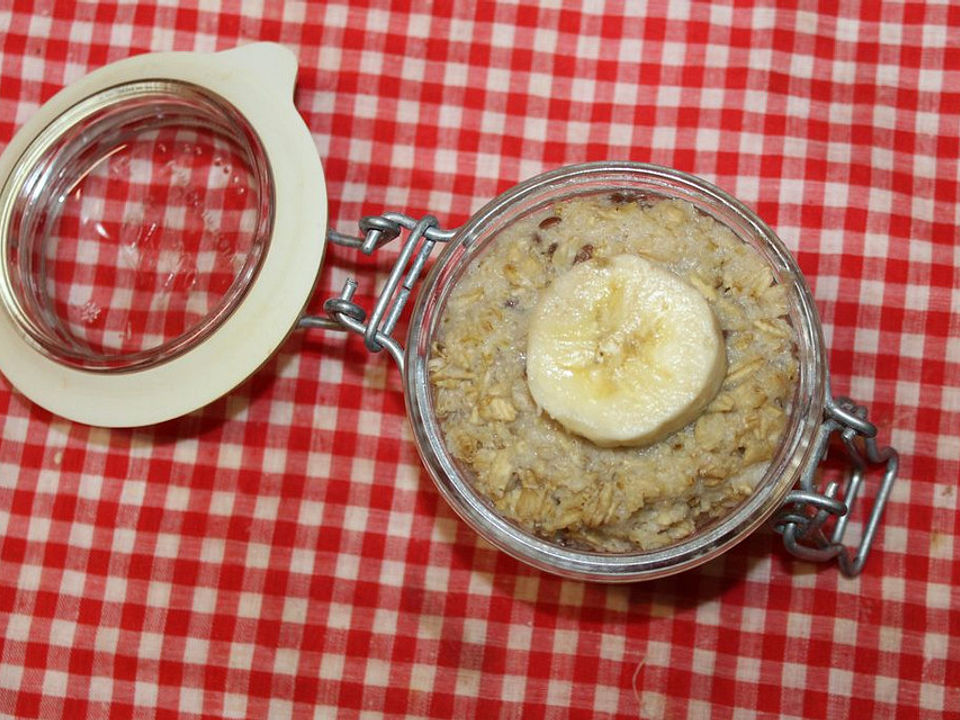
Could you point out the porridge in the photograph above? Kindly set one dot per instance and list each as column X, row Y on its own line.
column 580, row 492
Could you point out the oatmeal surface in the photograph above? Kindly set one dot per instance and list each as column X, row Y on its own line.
column 559, row 485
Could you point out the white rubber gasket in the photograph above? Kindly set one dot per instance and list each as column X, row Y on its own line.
column 258, row 80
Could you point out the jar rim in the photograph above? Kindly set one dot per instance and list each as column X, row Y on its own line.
column 796, row 448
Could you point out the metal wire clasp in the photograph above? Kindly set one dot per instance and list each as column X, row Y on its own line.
column 378, row 230
column 803, row 515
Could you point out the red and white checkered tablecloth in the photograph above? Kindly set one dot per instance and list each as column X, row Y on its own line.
column 282, row 552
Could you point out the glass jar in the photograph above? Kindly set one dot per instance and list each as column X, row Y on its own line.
column 238, row 104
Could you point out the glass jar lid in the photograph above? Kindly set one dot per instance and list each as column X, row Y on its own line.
column 161, row 230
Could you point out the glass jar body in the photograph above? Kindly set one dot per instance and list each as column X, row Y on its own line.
column 796, row 450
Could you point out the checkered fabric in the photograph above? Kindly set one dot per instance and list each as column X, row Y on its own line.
column 282, row 552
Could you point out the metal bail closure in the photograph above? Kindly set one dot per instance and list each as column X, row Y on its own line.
column 806, row 510
column 378, row 230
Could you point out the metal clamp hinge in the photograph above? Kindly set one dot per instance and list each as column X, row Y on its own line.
column 345, row 314
column 802, row 518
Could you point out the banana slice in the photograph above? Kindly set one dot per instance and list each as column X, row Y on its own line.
column 623, row 352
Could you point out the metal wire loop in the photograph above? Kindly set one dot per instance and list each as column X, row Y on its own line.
column 806, row 510
column 344, row 314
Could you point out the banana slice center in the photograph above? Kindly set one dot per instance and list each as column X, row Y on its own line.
column 623, row 352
